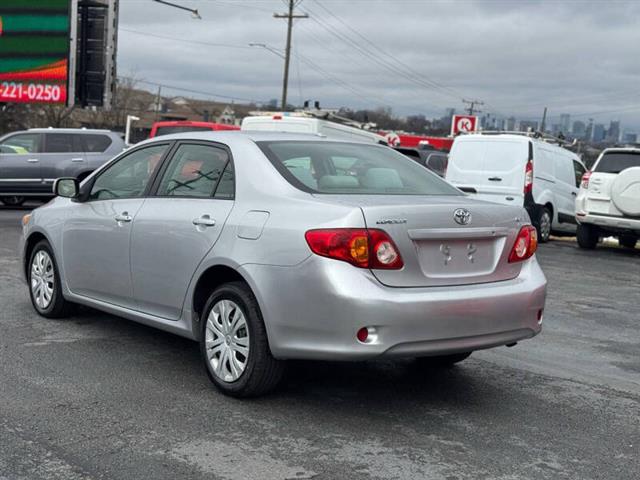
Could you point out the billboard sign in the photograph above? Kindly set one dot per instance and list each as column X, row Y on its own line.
column 463, row 124
column 34, row 51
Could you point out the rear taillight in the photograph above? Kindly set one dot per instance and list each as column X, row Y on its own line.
column 528, row 177
column 364, row 248
column 585, row 180
column 525, row 245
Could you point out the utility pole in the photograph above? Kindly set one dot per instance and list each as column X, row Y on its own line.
column 290, row 16
column 472, row 104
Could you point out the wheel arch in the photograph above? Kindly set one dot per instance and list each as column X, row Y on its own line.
column 210, row 279
column 32, row 240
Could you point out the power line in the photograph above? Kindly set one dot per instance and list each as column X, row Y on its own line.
column 189, row 90
column 174, row 39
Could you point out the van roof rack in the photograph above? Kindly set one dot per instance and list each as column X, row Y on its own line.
column 536, row 134
column 320, row 114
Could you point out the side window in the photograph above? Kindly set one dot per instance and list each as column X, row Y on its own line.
column 21, row 144
column 579, row 171
column 61, row 143
column 437, row 162
column 227, row 187
column 96, row 143
column 194, row 171
column 129, row 176
column 564, row 169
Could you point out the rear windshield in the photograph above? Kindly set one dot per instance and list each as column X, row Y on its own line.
column 348, row 168
column 180, row 129
column 615, row 162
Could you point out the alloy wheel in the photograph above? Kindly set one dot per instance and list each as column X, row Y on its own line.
column 42, row 279
column 227, row 340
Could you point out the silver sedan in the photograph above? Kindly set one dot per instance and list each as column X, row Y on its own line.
column 265, row 247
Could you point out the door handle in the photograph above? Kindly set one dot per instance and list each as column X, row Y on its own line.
column 574, row 194
column 123, row 217
column 495, row 179
column 33, row 160
column 204, row 221
column 77, row 159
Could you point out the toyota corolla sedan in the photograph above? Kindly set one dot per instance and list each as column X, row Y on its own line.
column 265, row 247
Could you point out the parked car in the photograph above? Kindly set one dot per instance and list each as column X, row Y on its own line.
column 609, row 200
column 170, row 127
column 434, row 160
column 520, row 170
column 267, row 246
column 31, row 160
column 287, row 123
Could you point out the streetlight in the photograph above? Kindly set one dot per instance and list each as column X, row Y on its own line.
column 194, row 11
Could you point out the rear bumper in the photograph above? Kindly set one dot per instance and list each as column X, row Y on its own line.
column 609, row 222
column 313, row 311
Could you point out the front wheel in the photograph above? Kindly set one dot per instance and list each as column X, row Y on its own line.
column 45, row 288
column 443, row 360
column 13, row 201
column 587, row 236
column 234, row 345
column 628, row 241
column 543, row 224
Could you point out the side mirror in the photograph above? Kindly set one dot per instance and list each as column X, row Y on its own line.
column 66, row 187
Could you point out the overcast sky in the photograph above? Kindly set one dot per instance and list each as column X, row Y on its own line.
column 415, row 56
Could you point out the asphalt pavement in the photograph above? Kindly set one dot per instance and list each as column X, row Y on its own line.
column 99, row 397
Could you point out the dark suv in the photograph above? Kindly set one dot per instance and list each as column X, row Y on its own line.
column 31, row 160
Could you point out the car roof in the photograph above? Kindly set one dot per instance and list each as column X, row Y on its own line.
column 68, row 130
column 622, row 150
column 227, row 136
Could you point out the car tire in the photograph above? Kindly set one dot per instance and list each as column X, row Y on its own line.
column 444, row 360
column 628, row 241
column 587, row 236
column 234, row 345
column 543, row 224
column 13, row 201
column 45, row 288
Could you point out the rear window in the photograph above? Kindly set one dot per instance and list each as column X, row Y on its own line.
column 346, row 168
column 615, row 162
column 180, row 129
column 95, row 143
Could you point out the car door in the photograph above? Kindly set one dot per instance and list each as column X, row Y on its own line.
column 62, row 156
column 20, row 164
column 97, row 231
column 179, row 224
column 566, row 190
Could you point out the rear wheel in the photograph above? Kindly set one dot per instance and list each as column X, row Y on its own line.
column 628, row 241
column 234, row 345
column 587, row 236
column 543, row 224
column 45, row 288
column 13, row 201
column 443, row 360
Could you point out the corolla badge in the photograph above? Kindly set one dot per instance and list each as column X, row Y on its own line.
column 462, row 216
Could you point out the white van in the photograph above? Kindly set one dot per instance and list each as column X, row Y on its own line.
column 520, row 170
column 300, row 124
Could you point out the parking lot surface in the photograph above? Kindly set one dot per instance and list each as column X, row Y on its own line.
column 98, row 397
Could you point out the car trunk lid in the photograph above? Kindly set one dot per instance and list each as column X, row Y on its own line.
column 438, row 251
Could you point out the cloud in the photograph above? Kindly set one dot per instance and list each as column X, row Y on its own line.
column 417, row 56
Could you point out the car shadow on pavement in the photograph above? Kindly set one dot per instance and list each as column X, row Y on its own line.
column 327, row 382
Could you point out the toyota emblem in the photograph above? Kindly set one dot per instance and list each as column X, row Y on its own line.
column 462, row 216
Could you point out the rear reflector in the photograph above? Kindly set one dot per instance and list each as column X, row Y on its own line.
column 525, row 245
column 364, row 248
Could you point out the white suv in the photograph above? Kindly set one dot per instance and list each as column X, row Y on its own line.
column 608, row 202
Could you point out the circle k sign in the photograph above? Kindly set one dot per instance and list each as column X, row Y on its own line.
column 463, row 124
